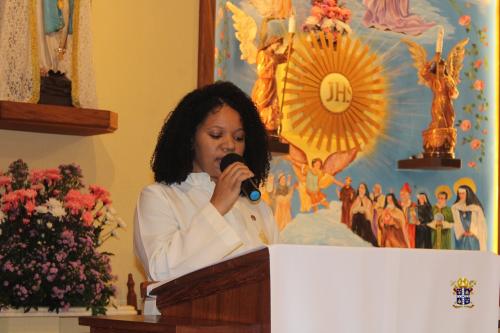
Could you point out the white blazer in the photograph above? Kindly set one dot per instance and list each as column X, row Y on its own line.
column 177, row 230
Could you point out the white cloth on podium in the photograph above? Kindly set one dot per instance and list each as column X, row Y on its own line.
column 325, row 289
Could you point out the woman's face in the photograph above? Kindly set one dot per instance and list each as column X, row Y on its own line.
column 421, row 199
column 220, row 133
column 362, row 190
column 462, row 194
column 390, row 201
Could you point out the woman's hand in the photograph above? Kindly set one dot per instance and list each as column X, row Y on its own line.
column 228, row 187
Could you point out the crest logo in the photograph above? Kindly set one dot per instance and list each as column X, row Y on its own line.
column 463, row 289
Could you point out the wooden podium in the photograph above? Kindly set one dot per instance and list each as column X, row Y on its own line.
column 231, row 296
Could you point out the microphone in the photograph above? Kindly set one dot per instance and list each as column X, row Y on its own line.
column 248, row 187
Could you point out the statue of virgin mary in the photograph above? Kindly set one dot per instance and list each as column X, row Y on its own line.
column 41, row 38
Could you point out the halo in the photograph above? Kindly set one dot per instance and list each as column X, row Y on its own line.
column 443, row 188
column 465, row 181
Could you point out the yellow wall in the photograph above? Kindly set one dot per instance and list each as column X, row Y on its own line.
column 145, row 60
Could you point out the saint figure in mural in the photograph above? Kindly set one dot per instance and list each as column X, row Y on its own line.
column 362, row 215
column 392, row 224
column 410, row 212
column 393, row 15
column 270, row 52
column 469, row 221
column 425, row 216
column 346, row 196
column 283, row 197
column 441, row 229
column 378, row 199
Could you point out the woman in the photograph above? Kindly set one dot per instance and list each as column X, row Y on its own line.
column 362, row 214
column 425, row 216
column 194, row 215
column 469, row 222
column 392, row 224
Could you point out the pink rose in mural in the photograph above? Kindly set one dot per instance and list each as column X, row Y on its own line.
column 481, row 108
column 464, row 20
column 479, row 84
column 478, row 63
column 485, row 131
column 471, row 164
column 465, row 125
column 475, row 144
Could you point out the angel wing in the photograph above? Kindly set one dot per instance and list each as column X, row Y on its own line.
column 455, row 60
column 334, row 164
column 273, row 9
column 419, row 55
column 299, row 161
column 246, row 30
column 337, row 162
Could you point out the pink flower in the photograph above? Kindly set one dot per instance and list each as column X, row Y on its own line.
column 5, row 180
column 53, row 174
column 30, row 206
column 478, row 63
column 481, row 108
column 471, row 164
column 317, row 12
column 98, row 191
column 465, row 125
column 87, row 218
column 479, row 85
column 464, row 20
column 475, row 144
column 484, row 131
column 37, row 176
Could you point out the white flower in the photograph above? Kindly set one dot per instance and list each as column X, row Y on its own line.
column 2, row 217
column 53, row 203
column 110, row 216
column 58, row 211
column 49, row 225
column 114, row 234
column 41, row 209
column 121, row 223
column 112, row 210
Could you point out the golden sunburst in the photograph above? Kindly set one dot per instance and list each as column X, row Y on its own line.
column 335, row 95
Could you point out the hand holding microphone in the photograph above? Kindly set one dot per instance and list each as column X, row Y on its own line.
column 235, row 178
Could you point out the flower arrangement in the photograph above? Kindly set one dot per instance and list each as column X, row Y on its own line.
column 49, row 234
column 328, row 16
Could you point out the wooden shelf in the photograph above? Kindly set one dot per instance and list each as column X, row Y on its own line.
column 429, row 164
column 56, row 119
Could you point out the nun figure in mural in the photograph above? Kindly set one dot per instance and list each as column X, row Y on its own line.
column 469, row 221
column 392, row 224
column 45, row 50
column 362, row 215
column 425, row 216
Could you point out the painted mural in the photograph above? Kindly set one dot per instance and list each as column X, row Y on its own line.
column 368, row 95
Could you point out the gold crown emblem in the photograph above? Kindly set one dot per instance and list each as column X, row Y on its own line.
column 464, row 283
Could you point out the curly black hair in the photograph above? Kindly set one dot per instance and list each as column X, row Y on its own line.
column 172, row 160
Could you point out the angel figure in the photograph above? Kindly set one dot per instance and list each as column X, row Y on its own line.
column 270, row 52
column 442, row 77
column 318, row 176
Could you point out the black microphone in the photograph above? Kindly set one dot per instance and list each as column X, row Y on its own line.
column 248, row 187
